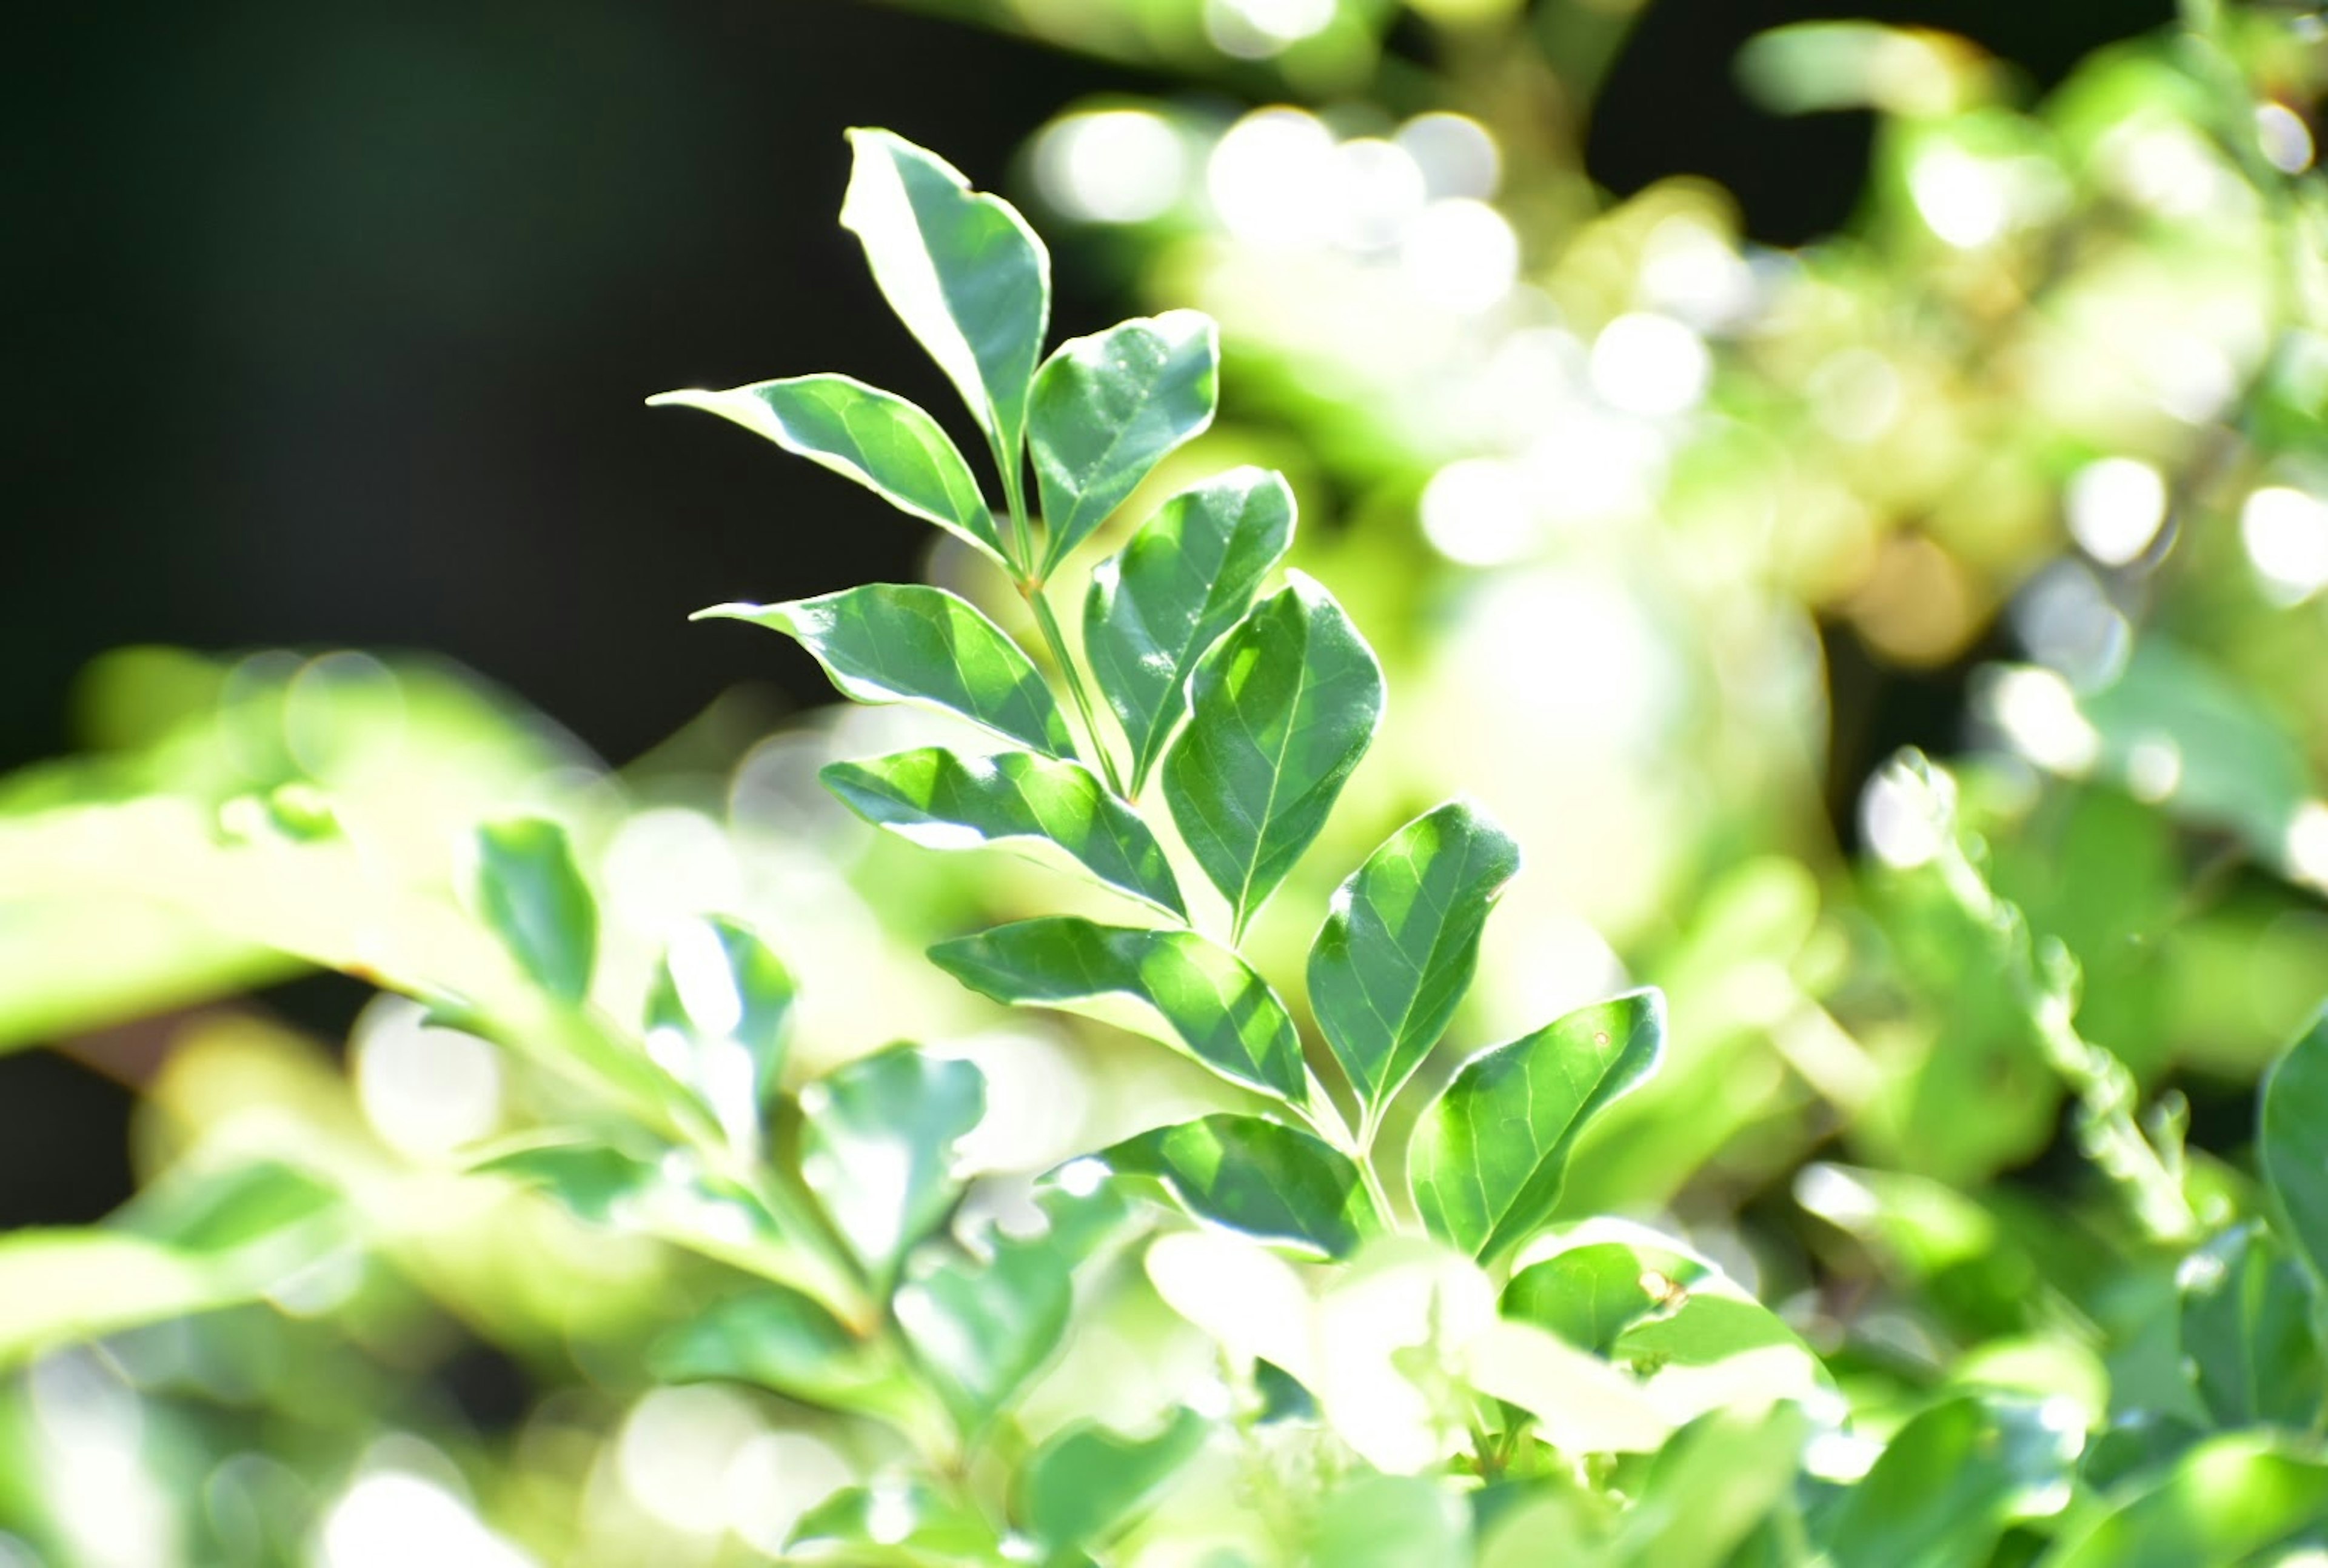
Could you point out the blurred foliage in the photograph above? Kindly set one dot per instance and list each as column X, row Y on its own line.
column 1962, row 1096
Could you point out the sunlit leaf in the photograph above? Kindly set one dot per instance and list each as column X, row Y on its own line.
column 532, row 894
column 945, row 801
column 779, row 1339
column 1397, row 950
column 1188, row 575
column 1085, row 1483
column 984, row 1325
column 896, row 1520
column 1108, row 408
column 2247, row 1331
column 2225, row 1500
column 1281, row 709
column 962, row 269
column 877, row 438
column 1392, row 1522
column 1592, row 1294
column 1205, row 997
column 877, row 1147
column 716, row 1014
column 1950, row 1480
column 907, row 643
column 1709, row 1486
column 1273, row 1183
column 1487, row 1156
column 2292, row 1141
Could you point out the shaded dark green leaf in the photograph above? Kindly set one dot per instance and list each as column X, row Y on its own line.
column 716, row 1014
column 906, row 642
column 1949, row 1482
column 877, row 438
column 1281, row 711
column 1487, row 1156
column 1398, row 949
column 1188, row 575
column 2293, row 1141
column 1273, row 1183
column 532, row 894
column 962, row 269
column 2224, row 1500
column 2247, row 1331
column 1108, row 408
column 945, row 801
column 1085, row 1483
column 1207, row 1000
column 877, row 1147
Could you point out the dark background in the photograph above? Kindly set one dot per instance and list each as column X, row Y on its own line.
column 331, row 322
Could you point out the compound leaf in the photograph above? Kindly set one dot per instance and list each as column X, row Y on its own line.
column 908, row 642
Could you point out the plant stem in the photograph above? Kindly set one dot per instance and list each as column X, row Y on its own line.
column 1057, row 642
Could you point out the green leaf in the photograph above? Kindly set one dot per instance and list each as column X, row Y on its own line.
column 1273, row 1183
column 1589, row 1295
column 1949, row 1482
column 962, row 269
column 982, row 1326
column 945, row 801
column 1281, row 709
column 882, row 442
column 906, row 642
column 1188, row 575
column 716, row 1014
column 1108, row 408
column 1373, row 1521
column 2230, row 1497
column 1398, row 948
column 596, row 1182
column 1709, row 1486
column 1487, row 1156
column 877, row 1147
column 779, row 1339
column 532, row 894
column 2247, row 1331
column 1085, row 1483
column 899, row 1519
column 1207, row 1000
column 2293, row 1141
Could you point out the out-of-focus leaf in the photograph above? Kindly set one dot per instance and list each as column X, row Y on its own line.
column 1107, row 409
column 1280, row 711
column 1396, row 953
column 962, row 269
column 1188, row 575
column 779, row 1339
column 908, row 642
column 1085, row 1483
column 877, row 438
column 897, row 1520
column 1273, row 1183
column 2247, row 1331
column 596, row 1182
column 877, row 1147
column 1392, row 1522
column 1950, row 1481
column 1486, row 1157
column 219, row 1211
column 1707, row 1489
column 532, row 893
column 1581, row 1403
column 716, row 1014
column 2141, row 1443
column 945, row 801
column 2293, row 1141
column 2230, row 1497
column 1209, row 1002
column 982, row 1326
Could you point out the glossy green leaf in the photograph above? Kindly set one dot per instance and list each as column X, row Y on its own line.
column 962, row 269
column 1949, row 1482
column 1399, row 946
column 1487, row 1156
column 2224, row 1501
column 532, row 894
column 2247, row 1331
column 945, row 801
column 779, row 1339
column 1273, row 1183
column 906, row 642
column 716, row 1016
column 1589, row 1295
column 897, row 1519
column 1204, row 997
column 1281, row 709
column 882, row 442
column 982, row 1326
column 1373, row 1521
column 1188, row 575
column 1108, row 408
column 1085, row 1483
column 2292, row 1141
column 877, row 1147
